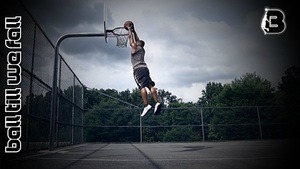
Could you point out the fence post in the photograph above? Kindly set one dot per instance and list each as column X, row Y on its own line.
column 202, row 125
column 141, row 129
column 73, row 112
column 258, row 117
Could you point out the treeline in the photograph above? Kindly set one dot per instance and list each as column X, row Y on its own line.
column 247, row 108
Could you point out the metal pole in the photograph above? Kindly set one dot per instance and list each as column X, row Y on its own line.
column 73, row 112
column 259, row 124
column 141, row 129
column 202, row 125
column 54, row 84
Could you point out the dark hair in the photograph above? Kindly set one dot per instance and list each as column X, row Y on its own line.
column 152, row 83
column 142, row 43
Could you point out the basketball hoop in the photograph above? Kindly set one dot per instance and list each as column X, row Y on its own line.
column 120, row 33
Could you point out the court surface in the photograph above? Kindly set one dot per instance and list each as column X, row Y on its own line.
column 201, row 155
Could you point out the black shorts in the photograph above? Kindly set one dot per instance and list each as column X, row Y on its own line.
column 142, row 78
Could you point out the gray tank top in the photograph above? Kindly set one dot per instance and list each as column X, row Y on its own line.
column 137, row 58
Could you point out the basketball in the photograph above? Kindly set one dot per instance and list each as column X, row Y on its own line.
column 128, row 24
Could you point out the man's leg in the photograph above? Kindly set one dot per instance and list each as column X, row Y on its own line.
column 157, row 107
column 144, row 96
column 154, row 94
column 145, row 100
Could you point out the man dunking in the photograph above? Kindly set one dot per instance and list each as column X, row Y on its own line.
column 141, row 72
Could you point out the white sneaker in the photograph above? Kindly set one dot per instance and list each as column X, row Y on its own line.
column 157, row 108
column 146, row 109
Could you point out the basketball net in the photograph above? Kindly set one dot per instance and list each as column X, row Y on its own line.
column 121, row 34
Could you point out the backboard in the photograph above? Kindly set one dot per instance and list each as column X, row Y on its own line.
column 118, row 32
column 105, row 15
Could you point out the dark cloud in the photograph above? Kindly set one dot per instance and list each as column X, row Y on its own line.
column 189, row 43
column 96, row 48
column 66, row 13
column 60, row 17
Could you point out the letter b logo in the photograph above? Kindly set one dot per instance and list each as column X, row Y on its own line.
column 273, row 21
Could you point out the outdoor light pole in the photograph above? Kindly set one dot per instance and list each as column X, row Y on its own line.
column 54, row 84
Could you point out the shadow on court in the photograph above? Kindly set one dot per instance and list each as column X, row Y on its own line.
column 201, row 155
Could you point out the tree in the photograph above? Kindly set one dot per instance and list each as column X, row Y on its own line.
column 290, row 86
column 167, row 98
column 182, row 134
column 237, row 119
column 212, row 90
column 249, row 90
column 289, row 95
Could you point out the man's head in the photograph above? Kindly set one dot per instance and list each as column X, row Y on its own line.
column 141, row 43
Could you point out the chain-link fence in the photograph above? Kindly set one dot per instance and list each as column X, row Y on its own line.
column 185, row 124
column 37, row 77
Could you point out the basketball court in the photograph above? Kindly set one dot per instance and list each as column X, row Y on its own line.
column 259, row 154
column 204, row 155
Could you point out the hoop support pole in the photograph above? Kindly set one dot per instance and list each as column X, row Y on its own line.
column 54, row 82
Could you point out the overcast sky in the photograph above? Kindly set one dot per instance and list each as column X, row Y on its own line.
column 188, row 42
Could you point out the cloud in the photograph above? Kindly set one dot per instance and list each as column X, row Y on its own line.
column 188, row 43
column 67, row 13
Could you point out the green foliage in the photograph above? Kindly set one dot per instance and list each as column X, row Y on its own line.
column 182, row 134
column 208, row 98
column 233, row 124
column 232, row 114
column 249, row 90
column 289, row 87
